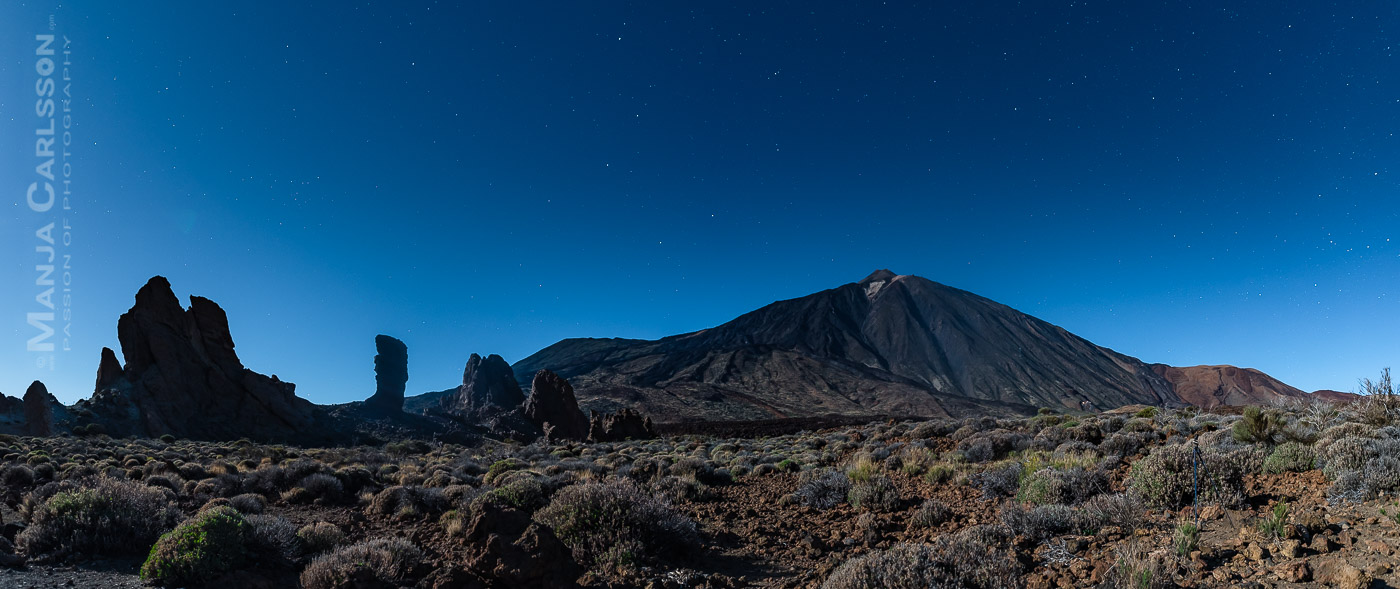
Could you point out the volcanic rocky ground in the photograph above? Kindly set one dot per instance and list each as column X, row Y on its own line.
column 1057, row 500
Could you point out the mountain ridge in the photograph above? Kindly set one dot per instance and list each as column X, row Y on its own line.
column 889, row 343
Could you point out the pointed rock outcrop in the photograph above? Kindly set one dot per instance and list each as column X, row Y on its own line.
column 38, row 410
column 390, row 374
column 109, row 369
column 488, row 388
column 552, row 406
column 183, row 377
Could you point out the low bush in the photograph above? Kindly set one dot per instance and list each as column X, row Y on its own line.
column 616, row 524
column 972, row 558
column 102, row 516
column 408, row 501
column 876, row 494
column 319, row 537
column 525, row 493
column 1042, row 522
column 1123, row 510
column 823, row 489
column 930, row 514
column 205, row 547
column 387, row 562
column 1290, row 457
column 1258, row 426
column 248, row 503
column 999, row 480
column 1165, row 477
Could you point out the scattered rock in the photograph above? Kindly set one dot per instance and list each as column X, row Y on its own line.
column 1336, row 572
column 1290, row 548
column 1379, row 547
column 1295, row 572
column 390, row 374
column 1254, row 551
column 507, row 549
column 624, row 424
column 1322, row 544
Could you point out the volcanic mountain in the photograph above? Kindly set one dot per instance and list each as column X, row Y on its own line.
column 1212, row 386
column 887, row 345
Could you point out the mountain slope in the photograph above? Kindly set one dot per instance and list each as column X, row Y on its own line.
column 1212, row 386
column 887, row 345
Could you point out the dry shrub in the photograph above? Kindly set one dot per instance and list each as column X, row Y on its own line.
column 101, row 516
column 389, row 562
column 974, row 557
column 823, row 489
column 1290, row 457
column 248, row 503
column 930, row 514
column 1165, row 477
column 875, row 494
column 320, row 537
column 617, row 524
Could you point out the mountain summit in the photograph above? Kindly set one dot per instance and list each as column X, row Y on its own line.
column 887, row 345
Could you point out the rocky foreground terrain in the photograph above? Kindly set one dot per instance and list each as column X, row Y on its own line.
column 1297, row 496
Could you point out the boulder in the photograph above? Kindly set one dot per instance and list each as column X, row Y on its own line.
column 624, row 424
column 506, row 549
column 488, row 389
column 183, row 377
column 390, row 374
column 38, row 410
column 552, row 406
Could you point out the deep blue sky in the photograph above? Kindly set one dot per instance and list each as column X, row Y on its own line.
column 1214, row 183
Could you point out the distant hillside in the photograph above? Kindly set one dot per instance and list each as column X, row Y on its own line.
column 887, row 345
column 1212, row 386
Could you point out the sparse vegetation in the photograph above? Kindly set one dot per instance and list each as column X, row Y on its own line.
column 878, row 504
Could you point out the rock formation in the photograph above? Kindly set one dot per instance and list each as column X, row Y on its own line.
column 109, row 369
column 488, row 388
column 390, row 374
column 182, row 377
column 624, row 424
column 38, row 410
column 507, row 549
column 552, row 406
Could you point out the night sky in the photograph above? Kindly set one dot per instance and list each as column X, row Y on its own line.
column 1203, row 184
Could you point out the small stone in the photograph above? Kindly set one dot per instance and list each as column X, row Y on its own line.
column 1296, row 572
column 1290, row 548
column 1338, row 573
column 1322, row 544
column 1255, row 552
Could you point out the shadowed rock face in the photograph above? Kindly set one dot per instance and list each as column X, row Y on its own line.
column 38, row 410
column 625, row 424
column 109, row 369
column 887, row 345
column 182, row 377
column 390, row 374
column 553, row 407
column 488, row 388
